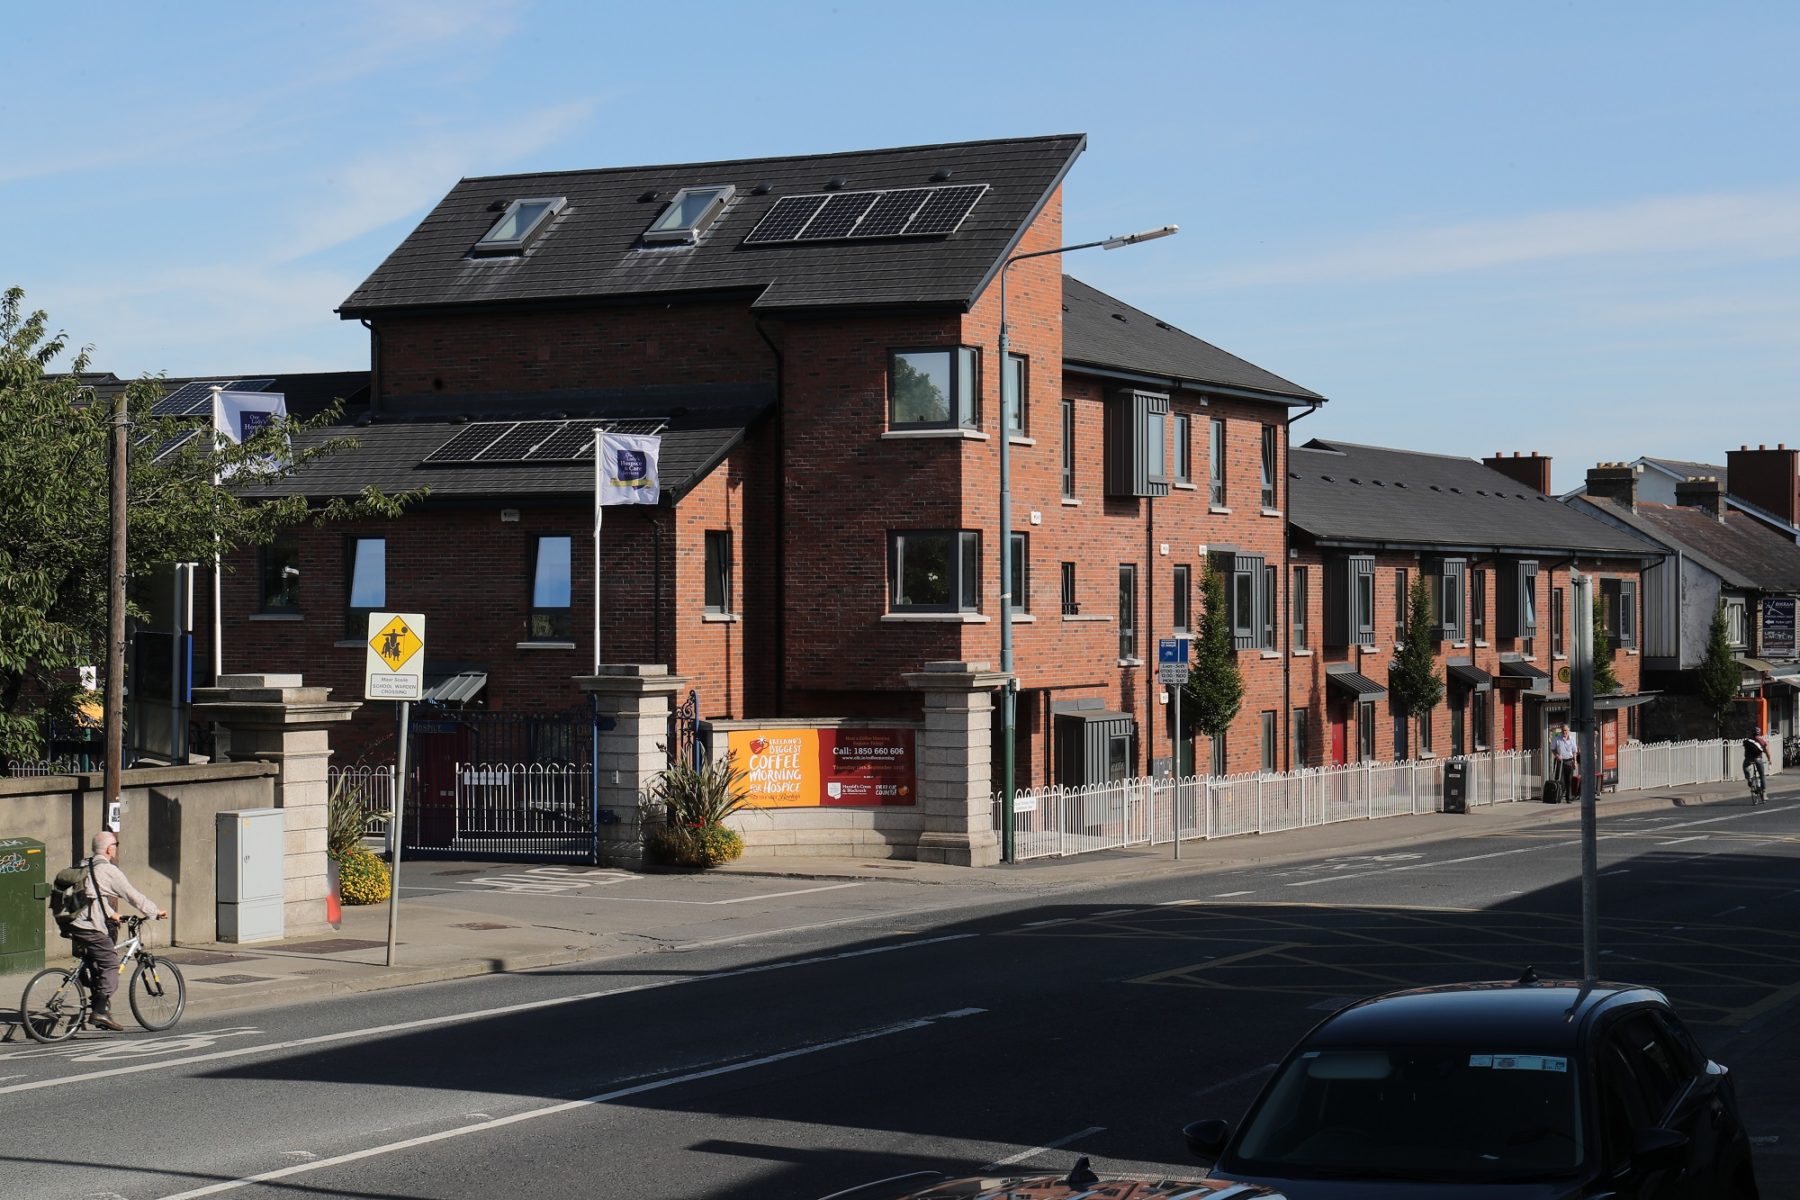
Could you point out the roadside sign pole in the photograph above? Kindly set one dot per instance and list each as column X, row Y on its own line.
column 1172, row 670
column 1177, row 772
column 396, row 671
column 394, row 819
column 1581, row 705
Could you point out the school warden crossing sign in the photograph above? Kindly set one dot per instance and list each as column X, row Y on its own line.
column 396, row 661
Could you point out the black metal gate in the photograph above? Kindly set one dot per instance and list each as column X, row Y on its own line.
column 498, row 785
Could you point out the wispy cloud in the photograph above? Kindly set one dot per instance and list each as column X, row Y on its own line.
column 380, row 187
column 1762, row 225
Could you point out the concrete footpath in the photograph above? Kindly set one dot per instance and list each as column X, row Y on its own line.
column 447, row 933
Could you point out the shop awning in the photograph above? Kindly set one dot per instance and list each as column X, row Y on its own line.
column 456, row 689
column 1760, row 665
column 1359, row 686
column 1516, row 672
column 1469, row 676
column 1610, row 703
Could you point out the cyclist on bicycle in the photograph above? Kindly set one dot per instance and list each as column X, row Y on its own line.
column 95, row 931
column 1756, row 766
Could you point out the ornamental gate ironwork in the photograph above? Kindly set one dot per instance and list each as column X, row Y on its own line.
column 501, row 785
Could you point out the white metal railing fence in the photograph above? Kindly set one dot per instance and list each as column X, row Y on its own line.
column 1137, row 812
column 373, row 790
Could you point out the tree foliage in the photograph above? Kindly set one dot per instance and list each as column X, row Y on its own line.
column 1215, row 688
column 1413, row 680
column 54, row 519
column 1719, row 676
column 1605, row 681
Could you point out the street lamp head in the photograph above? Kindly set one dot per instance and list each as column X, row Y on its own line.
column 1147, row 235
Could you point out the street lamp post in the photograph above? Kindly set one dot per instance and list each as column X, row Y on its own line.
column 1010, row 692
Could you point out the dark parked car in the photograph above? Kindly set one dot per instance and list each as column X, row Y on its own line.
column 1493, row 1091
column 1080, row 1184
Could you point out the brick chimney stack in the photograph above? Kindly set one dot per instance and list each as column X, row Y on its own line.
column 1615, row 481
column 1702, row 492
column 1532, row 470
column 1769, row 479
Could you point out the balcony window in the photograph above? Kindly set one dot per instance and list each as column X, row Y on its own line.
column 1269, row 465
column 1216, row 463
column 1128, row 647
column 935, row 571
column 933, row 389
column 1068, row 449
column 1299, row 600
column 1070, row 606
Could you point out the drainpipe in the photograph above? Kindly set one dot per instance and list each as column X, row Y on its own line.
column 1287, row 577
column 780, row 457
column 374, row 366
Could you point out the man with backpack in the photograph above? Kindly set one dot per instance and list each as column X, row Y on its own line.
column 95, row 925
column 1756, row 766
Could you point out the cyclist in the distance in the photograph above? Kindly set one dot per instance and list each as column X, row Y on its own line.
column 1756, row 766
column 95, row 931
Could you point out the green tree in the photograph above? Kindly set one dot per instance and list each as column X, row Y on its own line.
column 1720, row 676
column 54, row 523
column 1413, row 680
column 1215, row 688
column 1605, row 682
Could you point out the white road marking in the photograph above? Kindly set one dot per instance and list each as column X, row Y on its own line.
column 600, row 1098
column 472, row 1015
column 1698, row 837
column 1615, row 871
column 1450, row 862
column 1041, row 924
column 1229, row 895
column 1112, row 912
column 860, row 919
column 1022, row 1155
column 1729, row 911
column 830, row 887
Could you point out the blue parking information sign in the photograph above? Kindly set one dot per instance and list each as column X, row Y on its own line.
column 1172, row 660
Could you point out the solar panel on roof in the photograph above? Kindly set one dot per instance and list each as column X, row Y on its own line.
column 249, row 385
column 839, row 216
column 517, row 442
column 189, row 400
column 470, row 442
column 573, row 442
column 945, row 209
column 891, row 212
column 785, row 221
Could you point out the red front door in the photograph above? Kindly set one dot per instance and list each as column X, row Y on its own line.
column 1509, row 711
column 1340, row 736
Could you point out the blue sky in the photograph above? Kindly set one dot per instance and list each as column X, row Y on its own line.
column 1566, row 227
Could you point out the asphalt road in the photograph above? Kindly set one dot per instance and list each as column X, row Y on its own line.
column 996, row 1029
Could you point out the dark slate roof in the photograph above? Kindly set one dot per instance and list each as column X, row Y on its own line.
column 1740, row 549
column 1101, row 331
column 390, row 455
column 593, row 248
column 1682, row 469
column 308, row 393
column 1370, row 495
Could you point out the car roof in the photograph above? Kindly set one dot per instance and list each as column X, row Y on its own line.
column 1506, row 1015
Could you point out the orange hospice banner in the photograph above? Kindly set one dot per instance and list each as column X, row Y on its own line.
column 824, row 768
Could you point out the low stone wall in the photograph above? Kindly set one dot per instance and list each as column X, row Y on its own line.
column 166, row 831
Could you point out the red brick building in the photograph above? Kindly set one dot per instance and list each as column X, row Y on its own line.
column 815, row 339
column 1496, row 552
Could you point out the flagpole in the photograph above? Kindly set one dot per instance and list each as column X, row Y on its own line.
column 218, row 591
column 598, row 466
column 597, row 510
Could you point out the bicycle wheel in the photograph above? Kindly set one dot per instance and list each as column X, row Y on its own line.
column 52, row 1007
column 158, row 993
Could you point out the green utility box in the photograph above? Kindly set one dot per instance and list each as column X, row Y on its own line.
column 23, row 891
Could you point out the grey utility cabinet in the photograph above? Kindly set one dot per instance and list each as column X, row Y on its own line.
column 251, row 895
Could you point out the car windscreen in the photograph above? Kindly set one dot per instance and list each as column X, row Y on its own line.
column 1473, row 1112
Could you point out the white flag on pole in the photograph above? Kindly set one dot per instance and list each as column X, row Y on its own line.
column 628, row 469
column 239, row 416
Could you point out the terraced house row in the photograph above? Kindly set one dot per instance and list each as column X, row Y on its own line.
column 816, row 342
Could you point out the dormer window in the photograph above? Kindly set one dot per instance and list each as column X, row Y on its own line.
column 521, row 222
column 689, row 214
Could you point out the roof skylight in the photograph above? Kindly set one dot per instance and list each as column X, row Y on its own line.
column 689, row 213
column 519, row 224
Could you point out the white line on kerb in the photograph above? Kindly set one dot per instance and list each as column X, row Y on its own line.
column 229, row 1185
column 1022, row 1155
column 477, row 1014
